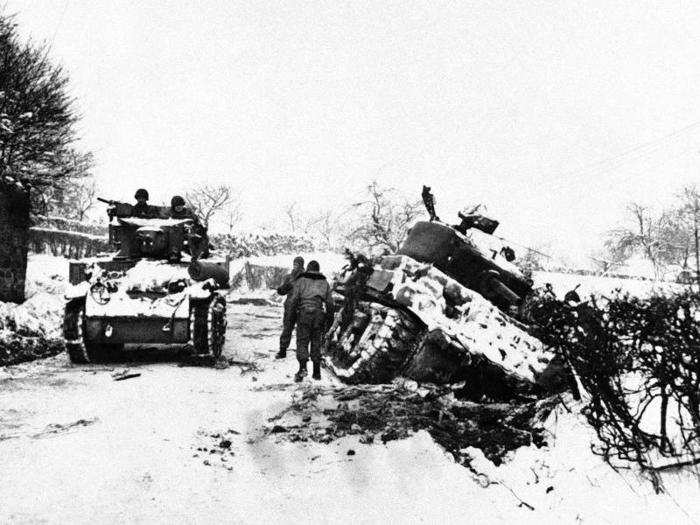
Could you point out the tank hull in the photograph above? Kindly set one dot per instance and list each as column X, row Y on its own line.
column 137, row 330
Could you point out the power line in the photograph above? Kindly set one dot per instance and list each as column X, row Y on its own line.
column 646, row 148
column 60, row 22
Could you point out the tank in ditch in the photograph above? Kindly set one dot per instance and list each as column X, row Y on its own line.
column 158, row 286
column 443, row 309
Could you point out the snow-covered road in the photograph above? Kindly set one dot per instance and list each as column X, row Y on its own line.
column 76, row 446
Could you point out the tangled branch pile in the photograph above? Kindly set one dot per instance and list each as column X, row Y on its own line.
column 394, row 411
column 639, row 362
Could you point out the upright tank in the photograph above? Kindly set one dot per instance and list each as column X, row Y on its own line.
column 158, row 286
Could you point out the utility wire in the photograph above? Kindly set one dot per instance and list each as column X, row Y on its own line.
column 611, row 163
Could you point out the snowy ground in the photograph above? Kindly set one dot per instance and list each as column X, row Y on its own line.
column 78, row 446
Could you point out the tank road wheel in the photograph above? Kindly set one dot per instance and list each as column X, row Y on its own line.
column 208, row 326
column 376, row 346
column 79, row 350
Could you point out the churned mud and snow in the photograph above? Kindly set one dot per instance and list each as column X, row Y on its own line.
column 183, row 444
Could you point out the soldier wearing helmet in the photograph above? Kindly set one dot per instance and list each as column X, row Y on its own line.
column 141, row 208
column 198, row 241
column 289, row 318
column 313, row 302
column 178, row 210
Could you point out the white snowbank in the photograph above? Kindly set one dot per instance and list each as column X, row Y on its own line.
column 566, row 483
column 597, row 285
column 42, row 312
column 46, row 273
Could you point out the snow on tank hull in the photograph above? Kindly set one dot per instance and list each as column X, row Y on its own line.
column 411, row 319
column 146, row 302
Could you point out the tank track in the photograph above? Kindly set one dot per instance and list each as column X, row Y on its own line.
column 79, row 350
column 208, row 326
column 375, row 346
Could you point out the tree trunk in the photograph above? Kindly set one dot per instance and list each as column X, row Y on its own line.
column 14, row 240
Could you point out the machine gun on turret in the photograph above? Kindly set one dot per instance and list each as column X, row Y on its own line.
column 117, row 208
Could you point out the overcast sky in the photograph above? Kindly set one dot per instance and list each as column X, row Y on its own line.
column 554, row 114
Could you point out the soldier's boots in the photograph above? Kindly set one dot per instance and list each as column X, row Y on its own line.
column 281, row 354
column 317, row 370
column 302, row 373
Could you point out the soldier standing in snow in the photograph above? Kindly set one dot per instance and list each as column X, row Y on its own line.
column 311, row 293
column 290, row 315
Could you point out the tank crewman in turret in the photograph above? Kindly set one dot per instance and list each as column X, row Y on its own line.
column 289, row 318
column 142, row 209
column 311, row 295
column 178, row 210
column 199, row 245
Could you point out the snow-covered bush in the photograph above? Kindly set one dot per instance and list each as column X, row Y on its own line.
column 638, row 361
column 254, row 244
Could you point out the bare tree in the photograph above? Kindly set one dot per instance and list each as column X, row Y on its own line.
column 650, row 234
column 530, row 262
column 330, row 227
column 292, row 216
column 689, row 215
column 208, row 200
column 233, row 214
column 385, row 218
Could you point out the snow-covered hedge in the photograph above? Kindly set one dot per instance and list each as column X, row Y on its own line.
column 61, row 223
column 638, row 361
column 73, row 245
column 255, row 244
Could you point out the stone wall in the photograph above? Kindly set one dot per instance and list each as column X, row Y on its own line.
column 14, row 240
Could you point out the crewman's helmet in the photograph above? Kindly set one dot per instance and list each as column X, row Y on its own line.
column 141, row 194
column 177, row 201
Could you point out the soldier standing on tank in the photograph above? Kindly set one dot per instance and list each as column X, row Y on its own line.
column 141, row 209
column 289, row 318
column 311, row 294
